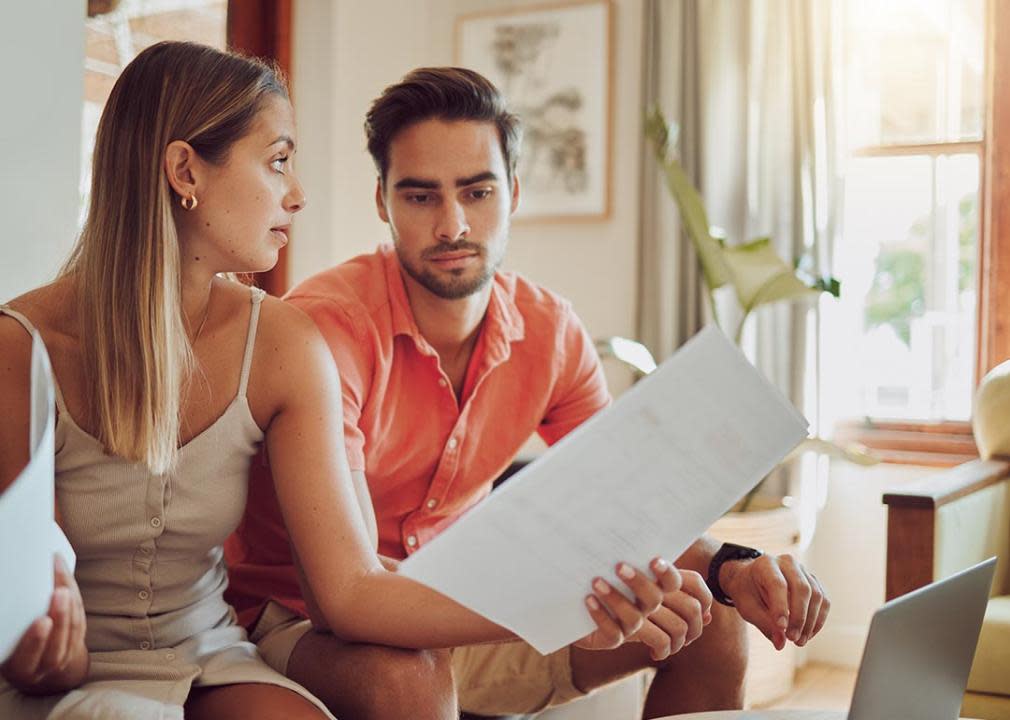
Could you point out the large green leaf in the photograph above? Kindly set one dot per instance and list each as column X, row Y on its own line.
column 760, row 276
column 689, row 203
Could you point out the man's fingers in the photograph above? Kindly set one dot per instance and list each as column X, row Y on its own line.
column 773, row 593
column 813, row 609
column 800, row 594
column 822, row 614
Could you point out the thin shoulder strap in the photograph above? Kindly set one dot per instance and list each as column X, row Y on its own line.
column 27, row 325
column 256, row 296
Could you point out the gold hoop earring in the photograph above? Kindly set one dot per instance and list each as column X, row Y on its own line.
column 189, row 203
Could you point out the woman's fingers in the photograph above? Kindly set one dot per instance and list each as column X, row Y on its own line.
column 627, row 614
column 55, row 652
column 608, row 633
column 23, row 663
column 668, row 577
column 648, row 594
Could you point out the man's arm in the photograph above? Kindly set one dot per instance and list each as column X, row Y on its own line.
column 775, row 593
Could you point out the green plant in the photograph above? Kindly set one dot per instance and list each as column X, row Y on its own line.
column 754, row 270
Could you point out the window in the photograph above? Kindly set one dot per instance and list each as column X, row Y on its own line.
column 113, row 39
column 901, row 348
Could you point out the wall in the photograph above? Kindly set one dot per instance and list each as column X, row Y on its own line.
column 848, row 555
column 370, row 45
column 42, row 47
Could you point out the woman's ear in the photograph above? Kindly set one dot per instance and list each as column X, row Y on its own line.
column 180, row 168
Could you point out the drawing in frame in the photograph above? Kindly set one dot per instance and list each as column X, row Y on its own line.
column 553, row 64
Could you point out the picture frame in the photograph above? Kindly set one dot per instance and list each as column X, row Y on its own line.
column 553, row 64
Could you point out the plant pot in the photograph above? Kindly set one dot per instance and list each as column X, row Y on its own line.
column 775, row 529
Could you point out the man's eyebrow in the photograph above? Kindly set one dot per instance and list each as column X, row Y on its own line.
column 410, row 182
column 478, row 178
column 284, row 139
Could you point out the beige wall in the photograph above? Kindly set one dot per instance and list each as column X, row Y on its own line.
column 40, row 131
column 347, row 51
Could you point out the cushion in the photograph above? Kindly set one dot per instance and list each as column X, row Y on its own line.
column 990, row 672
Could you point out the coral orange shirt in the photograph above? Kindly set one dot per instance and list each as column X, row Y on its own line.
column 427, row 457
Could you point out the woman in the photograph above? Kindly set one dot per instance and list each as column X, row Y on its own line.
column 169, row 375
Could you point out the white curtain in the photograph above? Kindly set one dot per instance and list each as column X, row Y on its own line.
column 755, row 87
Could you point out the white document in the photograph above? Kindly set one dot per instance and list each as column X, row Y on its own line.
column 643, row 478
column 28, row 533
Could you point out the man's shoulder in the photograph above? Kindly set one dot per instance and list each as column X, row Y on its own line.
column 543, row 310
column 356, row 289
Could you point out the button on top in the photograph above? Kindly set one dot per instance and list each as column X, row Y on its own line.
column 145, row 645
column 431, row 503
column 143, row 594
column 453, row 442
column 156, row 522
column 412, row 541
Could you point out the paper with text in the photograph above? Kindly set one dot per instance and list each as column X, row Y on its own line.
column 645, row 477
column 28, row 533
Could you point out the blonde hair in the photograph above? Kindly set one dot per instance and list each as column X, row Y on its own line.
column 126, row 264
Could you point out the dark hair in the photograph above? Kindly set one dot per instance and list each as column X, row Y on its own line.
column 443, row 93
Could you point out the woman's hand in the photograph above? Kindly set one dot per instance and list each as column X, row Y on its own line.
column 618, row 619
column 51, row 656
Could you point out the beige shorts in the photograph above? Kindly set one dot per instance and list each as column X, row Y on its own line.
column 494, row 679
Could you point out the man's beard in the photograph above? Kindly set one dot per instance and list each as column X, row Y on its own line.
column 457, row 286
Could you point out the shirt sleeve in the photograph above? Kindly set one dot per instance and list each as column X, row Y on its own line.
column 353, row 356
column 581, row 388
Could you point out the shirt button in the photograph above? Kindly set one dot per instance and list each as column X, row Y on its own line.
column 170, row 656
column 156, row 522
column 143, row 594
column 442, row 382
column 412, row 541
column 431, row 504
column 453, row 442
column 145, row 550
column 144, row 645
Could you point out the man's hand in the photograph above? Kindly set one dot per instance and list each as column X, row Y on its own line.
column 778, row 595
column 679, row 621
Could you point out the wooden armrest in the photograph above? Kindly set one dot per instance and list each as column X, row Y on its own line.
column 942, row 488
column 912, row 512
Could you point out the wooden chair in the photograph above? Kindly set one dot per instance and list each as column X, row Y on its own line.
column 943, row 524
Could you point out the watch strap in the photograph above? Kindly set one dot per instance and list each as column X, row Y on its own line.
column 726, row 553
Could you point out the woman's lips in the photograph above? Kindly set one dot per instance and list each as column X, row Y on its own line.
column 281, row 234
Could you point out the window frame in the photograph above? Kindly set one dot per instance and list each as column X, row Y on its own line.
column 949, row 443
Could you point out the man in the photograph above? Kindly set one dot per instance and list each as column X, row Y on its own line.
column 448, row 366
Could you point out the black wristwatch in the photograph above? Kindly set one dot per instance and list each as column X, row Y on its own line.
column 727, row 552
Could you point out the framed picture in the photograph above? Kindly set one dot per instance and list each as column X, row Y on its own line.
column 552, row 62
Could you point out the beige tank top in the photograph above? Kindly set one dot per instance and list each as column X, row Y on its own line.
column 149, row 547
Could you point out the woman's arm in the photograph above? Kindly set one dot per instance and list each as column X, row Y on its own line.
column 353, row 595
column 51, row 656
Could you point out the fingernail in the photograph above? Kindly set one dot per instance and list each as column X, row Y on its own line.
column 783, row 622
column 601, row 586
column 793, row 635
column 593, row 603
column 625, row 571
column 707, row 618
column 660, row 564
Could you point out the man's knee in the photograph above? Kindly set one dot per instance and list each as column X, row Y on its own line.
column 375, row 682
column 409, row 681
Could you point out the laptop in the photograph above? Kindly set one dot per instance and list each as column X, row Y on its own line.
column 919, row 650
